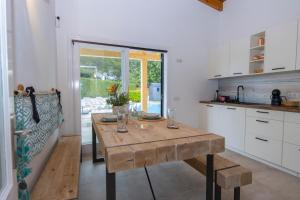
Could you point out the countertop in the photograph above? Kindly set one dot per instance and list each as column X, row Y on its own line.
column 256, row 106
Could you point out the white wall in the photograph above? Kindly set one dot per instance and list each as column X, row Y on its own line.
column 184, row 28
column 32, row 60
column 245, row 17
column 35, row 43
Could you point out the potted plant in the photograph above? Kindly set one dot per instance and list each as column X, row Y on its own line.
column 117, row 100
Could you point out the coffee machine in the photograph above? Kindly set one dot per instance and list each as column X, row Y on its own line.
column 276, row 98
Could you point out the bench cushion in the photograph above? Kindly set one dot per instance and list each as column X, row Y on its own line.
column 60, row 177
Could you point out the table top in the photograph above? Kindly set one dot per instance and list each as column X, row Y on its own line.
column 150, row 142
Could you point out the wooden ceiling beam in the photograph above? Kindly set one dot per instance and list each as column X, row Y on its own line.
column 216, row 4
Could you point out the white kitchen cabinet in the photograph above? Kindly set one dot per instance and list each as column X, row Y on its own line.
column 266, row 128
column 239, row 57
column 265, row 114
column 267, row 149
column 281, row 47
column 219, row 61
column 234, row 122
column 210, row 118
column 270, row 135
column 291, row 157
column 291, row 145
column 264, row 134
column 292, row 133
column 226, row 121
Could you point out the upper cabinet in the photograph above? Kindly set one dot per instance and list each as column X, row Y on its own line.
column 239, row 57
column 276, row 49
column 281, row 47
column 219, row 61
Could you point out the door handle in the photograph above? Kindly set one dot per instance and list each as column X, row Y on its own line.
column 209, row 106
column 237, row 73
column 231, row 108
column 262, row 112
column 218, row 75
column 264, row 140
column 278, row 68
column 262, row 121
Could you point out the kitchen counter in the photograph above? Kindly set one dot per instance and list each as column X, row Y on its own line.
column 256, row 106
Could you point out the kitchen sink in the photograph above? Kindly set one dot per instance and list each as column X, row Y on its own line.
column 240, row 103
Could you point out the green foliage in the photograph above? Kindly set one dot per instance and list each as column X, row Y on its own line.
column 110, row 68
column 93, row 88
column 118, row 99
column 135, row 95
column 154, row 72
column 135, row 74
column 87, row 72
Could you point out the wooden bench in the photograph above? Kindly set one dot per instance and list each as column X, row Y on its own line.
column 228, row 175
column 60, row 177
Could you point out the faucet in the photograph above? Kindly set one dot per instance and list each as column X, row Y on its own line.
column 238, row 93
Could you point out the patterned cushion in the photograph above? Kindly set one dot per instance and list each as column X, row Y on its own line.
column 51, row 117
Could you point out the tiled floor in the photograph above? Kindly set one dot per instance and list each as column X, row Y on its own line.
column 178, row 181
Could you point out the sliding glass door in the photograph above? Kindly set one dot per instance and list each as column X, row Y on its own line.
column 137, row 72
column 145, row 81
column 99, row 69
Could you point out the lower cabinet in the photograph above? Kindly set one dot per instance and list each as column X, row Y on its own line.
column 291, row 157
column 291, row 145
column 269, row 135
column 210, row 118
column 267, row 149
column 226, row 121
column 234, row 123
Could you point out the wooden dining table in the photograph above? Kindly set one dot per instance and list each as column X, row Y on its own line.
column 150, row 142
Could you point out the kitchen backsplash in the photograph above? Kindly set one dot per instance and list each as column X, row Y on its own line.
column 258, row 88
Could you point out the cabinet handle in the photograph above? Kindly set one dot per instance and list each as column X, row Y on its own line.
column 237, row 73
column 278, row 68
column 262, row 112
column 219, row 75
column 262, row 121
column 231, row 108
column 264, row 140
column 209, row 106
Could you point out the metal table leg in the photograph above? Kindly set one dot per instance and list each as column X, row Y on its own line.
column 209, row 176
column 150, row 184
column 94, row 143
column 218, row 190
column 110, row 186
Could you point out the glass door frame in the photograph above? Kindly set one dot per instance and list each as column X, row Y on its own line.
column 5, row 191
column 76, row 75
column 77, row 45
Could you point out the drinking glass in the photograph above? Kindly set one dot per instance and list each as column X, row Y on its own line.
column 171, row 118
column 122, row 120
